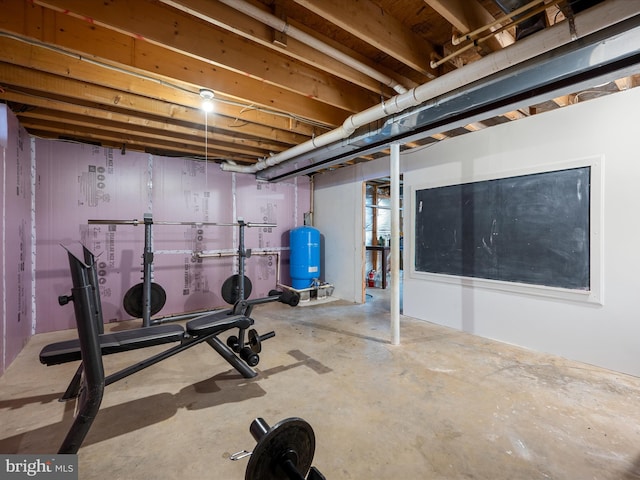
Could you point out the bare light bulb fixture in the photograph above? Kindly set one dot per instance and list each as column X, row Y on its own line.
column 207, row 99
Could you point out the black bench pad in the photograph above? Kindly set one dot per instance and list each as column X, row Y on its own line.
column 69, row 351
column 216, row 322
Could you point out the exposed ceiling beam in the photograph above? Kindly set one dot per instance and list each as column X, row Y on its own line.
column 147, row 20
column 611, row 51
column 225, row 145
column 72, row 34
column 120, row 72
column 365, row 20
column 468, row 15
column 52, row 125
column 132, row 103
column 257, row 31
column 138, row 110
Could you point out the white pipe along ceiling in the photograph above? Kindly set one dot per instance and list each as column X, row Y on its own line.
column 601, row 51
column 282, row 26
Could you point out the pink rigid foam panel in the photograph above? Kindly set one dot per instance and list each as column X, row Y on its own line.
column 188, row 190
column 17, row 247
column 78, row 183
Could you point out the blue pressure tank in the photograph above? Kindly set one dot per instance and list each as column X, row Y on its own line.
column 304, row 261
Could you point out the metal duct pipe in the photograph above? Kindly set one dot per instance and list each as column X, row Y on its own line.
column 524, row 27
column 476, row 41
column 591, row 21
column 521, row 8
column 283, row 27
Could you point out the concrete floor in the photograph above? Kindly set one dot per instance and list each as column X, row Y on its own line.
column 444, row 404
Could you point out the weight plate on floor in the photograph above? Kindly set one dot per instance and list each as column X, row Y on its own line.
column 133, row 300
column 291, row 439
column 231, row 289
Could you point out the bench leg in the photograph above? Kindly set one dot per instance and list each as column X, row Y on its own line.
column 89, row 404
column 93, row 379
column 225, row 352
column 74, row 386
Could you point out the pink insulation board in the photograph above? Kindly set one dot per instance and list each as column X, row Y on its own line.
column 186, row 190
column 16, row 259
column 76, row 183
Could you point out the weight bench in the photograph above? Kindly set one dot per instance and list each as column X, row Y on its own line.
column 92, row 343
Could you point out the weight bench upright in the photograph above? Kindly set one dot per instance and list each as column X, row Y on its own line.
column 89, row 381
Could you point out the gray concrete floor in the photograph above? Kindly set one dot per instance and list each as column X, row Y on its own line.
column 442, row 405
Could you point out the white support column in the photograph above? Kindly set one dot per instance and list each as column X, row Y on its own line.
column 395, row 243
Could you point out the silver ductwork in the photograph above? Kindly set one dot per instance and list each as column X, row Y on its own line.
column 538, row 22
column 604, row 57
column 528, row 26
column 608, row 48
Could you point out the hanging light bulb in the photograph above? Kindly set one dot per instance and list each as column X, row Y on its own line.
column 207, row 99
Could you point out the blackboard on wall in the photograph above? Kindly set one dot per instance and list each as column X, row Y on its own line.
column 531, row 229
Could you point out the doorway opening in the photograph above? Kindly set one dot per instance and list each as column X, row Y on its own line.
column 377, row 235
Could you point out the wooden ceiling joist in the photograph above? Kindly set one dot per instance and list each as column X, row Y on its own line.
column 232, row 20
column 147, row 20
column 119, row 72
column 365, row 20
column 128, row 102
column 144, row 59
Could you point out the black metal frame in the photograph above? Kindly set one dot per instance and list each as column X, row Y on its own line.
column 92, row 369
column 147, row 261
column 89, row 381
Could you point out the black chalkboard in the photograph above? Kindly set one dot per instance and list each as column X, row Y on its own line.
column 531, row 229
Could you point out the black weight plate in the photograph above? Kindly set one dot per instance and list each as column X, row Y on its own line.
column 290, row 298
column 133, row 302
column 289, row 435
column 231, row 289
column 254, row 341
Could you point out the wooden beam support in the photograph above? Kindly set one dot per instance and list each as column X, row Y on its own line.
column 105, row 46
column 90, row 135
column 365, row 20
column 42, row 118
column 67, row 66
column 160, row 25
column 468, row 15
column 233, row 21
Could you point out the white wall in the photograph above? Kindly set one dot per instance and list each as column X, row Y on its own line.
column 339, row 215
column 604, row 334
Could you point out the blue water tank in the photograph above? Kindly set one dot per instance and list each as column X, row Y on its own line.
column 304, row 261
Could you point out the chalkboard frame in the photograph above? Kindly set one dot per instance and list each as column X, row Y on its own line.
column 594, row 293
